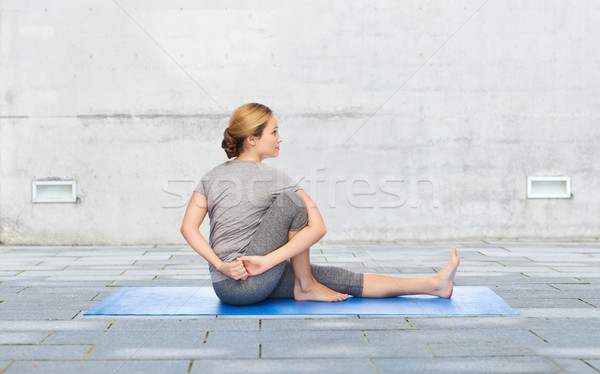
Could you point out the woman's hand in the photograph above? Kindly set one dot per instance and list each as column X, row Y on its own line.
column 235, row 270
column 255, row 264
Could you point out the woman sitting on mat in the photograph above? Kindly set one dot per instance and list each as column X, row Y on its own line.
column 262, row 226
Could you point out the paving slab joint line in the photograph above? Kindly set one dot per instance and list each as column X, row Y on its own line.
column 109, row 325
column 582, row 360
column 6, row 368
column 531, row 331
column 365, row 335
column 373, row 364
column 560, row 368
column 583, row 301
column 190, row 366
column 88, row 352
column 430, row 350
column 206, row 336
column 260, row 351
column 47, row 336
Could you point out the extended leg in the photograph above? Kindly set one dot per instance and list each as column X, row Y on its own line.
column 377, row 285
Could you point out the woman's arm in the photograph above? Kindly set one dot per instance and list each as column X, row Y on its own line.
column 194, row 215
column 306, row 237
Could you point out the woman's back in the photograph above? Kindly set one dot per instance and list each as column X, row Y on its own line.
column 238, row 194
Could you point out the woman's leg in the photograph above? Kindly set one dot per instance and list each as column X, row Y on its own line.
column 373, row 285
column 306, row 287
column 377, row 285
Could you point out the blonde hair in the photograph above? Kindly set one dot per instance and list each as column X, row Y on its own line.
column 247, row 120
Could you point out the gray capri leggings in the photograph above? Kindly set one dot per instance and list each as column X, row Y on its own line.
column 287, row 213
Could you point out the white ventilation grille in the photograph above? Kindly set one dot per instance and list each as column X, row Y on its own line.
column 548, row 187
column 54, row 192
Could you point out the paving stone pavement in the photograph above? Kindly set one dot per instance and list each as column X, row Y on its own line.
column 555, row 287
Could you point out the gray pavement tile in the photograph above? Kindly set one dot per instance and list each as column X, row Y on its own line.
column 183, row 345
column 548, row 303
column 464, row 322
column 100, row 367
column 162, row 282
column 573, row 352
column 581, row 293
column 574, row 287
column 549, row 293
column 175, row 325
column 531, row 287
column 44, row 352
column 99, row 277
column 556, row 336
column 575, row 366
column 124, row 338
column 481, row 348
column 292, row 366
column 589, row 313
column 46, row 304
column 9, row 291
column 64, row 291
column 22, row 337
column 8, row 274
column 452, row 336
column 330, row 324
column 476, row 365
column 577, row 269
column 71, row 273
column 44, row 325
column 311, row 344
column 36, row 314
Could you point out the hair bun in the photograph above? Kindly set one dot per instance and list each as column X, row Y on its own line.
column 229, row 144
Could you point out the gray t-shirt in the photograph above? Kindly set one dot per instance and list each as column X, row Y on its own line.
column 239, row 193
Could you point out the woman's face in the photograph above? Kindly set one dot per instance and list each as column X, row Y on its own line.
column 268, row 143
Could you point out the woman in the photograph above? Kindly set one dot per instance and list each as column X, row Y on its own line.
column 262, row 226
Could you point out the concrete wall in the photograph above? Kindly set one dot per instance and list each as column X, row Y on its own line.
column 408, row 120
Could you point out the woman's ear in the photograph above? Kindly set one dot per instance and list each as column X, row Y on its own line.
column 251, row 140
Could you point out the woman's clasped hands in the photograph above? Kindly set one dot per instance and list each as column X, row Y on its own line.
column 244, row 266
column 234, row 269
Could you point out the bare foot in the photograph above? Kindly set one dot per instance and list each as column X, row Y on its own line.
column 444, row 278
column 317, row 292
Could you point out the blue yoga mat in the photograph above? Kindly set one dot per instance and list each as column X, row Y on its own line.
column 152, row 301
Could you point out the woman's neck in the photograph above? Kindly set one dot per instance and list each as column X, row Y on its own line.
column 247, row 157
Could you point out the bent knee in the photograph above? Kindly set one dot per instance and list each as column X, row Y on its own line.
column 301, row 216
